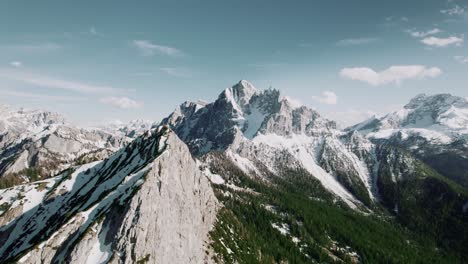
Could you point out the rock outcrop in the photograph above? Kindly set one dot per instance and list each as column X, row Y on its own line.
column 148, row 202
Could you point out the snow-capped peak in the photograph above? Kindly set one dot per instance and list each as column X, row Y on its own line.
column 435, row 102
column 239, row 95
column 27, row 121
column 439, row 118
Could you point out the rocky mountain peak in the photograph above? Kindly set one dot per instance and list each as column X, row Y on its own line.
column 129, row 208
column 24, row 119
column 435, row 102
column 239, row 95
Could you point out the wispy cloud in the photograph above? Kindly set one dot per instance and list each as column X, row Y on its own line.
column 393, row 74
column 461, row 59
column 422, row 34
column 327, row 97
column 143, row 74
column 394, row 21
column 121, row 102
column 35, row 96
column 355, row 41
column 148, row 48
column 93, row 31
column 32, row 48
column 442, row 42
column 454, row 11
column 267, row 65
column 176, row 72
column 50, row 82
column 16, row 64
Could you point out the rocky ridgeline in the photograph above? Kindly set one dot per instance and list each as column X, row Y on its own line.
column 146, row 202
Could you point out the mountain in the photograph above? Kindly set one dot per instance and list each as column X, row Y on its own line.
column 145, row 203
column 265, row 135
column 37, row 144
column 433, row 128
column 131, row 129
column 439, row 119
column 249, row 140
column 248, row 178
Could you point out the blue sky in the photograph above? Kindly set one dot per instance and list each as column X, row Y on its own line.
column 97, row 61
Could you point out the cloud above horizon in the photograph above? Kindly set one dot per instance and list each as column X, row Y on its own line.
column 121, row 102
column 393, row 74
column 456, row 10
column 39, row 97
column 461, row 59
column 326, row 97
column 422, row 34
column 16, row 64
column 147, row 48
column 443, row 42
column 176, row 72
column 32, row 48
column 355, row 41
column 55, row 83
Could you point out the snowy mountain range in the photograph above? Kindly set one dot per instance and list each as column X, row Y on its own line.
column 35, row 144
column 140, row 192
column 433, row 128
column 439, row 119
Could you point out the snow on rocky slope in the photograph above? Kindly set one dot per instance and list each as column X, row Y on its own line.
column 37, row 144
column 432, row 127
column 264, row 134
column 131, row 129
column 439, row 119
column 147, row 202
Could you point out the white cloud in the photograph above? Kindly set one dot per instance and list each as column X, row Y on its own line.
column 93, row 31
column 121, row 102
column 292, row 101
column 355, row 41
column 422, row 34
column 176, row 72
column 327, row 97
column 395, row 21
column 35, row 96
column 149, row 49
column 394, row 74
column 32, row 48
column 16, row 64
column 456, row 10
column 442, row 42
column 50, row 82
column 461, row 59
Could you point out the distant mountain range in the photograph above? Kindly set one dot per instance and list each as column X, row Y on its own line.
column 287, row 185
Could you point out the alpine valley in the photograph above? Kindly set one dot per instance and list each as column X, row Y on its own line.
column 249, row 178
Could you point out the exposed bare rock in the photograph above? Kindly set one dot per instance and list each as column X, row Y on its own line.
column 147, row 202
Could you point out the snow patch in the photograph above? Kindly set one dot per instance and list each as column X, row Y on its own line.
column 282, row 228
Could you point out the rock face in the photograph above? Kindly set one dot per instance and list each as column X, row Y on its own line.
column 148, row 202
